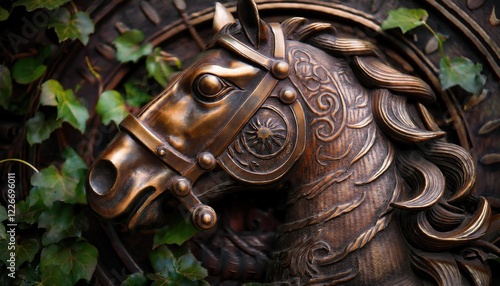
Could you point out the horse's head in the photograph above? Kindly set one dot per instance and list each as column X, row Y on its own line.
column 234, row 110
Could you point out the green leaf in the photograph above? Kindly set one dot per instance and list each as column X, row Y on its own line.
column 71, row 110
column 26, row 251
column 176, row 233
column 136, row 279
column 27, row 70
column 65, row 185
column 463, row 72
column 4, row 14
column 111, row 107
column 61, row 221
column 405, row 19
column 191, row 268
column 159, row 67
column 129, row 46
column 29, row 210
column 3, row 213
column 3, row 232
column 38, row 129
column 53, row 185
column 35, row 4
column 135, row 96
column 162, row 258
column 5, row 87
column 75, row 167
column 72, row 26
column 76, row 260
column 53, row 275
column 51, row 89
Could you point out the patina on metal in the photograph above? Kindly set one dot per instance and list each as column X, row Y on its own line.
column 375, row 196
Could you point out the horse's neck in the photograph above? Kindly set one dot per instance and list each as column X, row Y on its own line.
column 339, row 221
column 340, row 226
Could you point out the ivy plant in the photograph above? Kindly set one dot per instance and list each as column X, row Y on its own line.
column 51, row 247
column 459, row 71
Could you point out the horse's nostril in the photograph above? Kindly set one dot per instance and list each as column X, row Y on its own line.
column 102, row 177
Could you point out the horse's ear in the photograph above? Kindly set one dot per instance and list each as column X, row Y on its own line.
column 222, row 17
column 250, row 22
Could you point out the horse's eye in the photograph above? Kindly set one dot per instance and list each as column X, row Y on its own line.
column 210, row 86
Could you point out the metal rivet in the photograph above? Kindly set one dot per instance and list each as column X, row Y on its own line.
column 204, row 217
column 181, row 186
column 206, row 160
column 287, row 95
column 280, row 69
column 161, row 151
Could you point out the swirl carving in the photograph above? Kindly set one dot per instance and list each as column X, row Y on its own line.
column 322, row 94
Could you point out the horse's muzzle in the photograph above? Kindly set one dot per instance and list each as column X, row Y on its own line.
column 126, row 183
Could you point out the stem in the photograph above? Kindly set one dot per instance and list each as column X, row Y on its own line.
column 21, row 161
column 440, row 43
column 73, row 5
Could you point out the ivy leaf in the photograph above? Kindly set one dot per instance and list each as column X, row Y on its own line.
column 111, row 107
column 176, row 233
column 35, row 4
column 75, row 167
column 159, row 68
column 65, row 185
column 5, row 87
column 136, row 279
column 135, row 96
column 129, row 47
column 72, row 26
column 51, row 89
column 162, row 259
column 76, row 260
column 4, row 14
column 38, row 129
column 61, row 221
column 405, row 19
column 27, row 70
column 3, row 216
column 463, row 72
column 26, row 251
column 3, row 213
column 53, row 185
column 71, row 110
column 191, row 268
column 53, row 275
column 29, row 210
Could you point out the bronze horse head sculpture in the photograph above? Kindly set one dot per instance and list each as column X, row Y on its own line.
column 374, row 194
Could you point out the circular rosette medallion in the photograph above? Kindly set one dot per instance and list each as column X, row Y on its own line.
column 266, row 148
column 267, row 133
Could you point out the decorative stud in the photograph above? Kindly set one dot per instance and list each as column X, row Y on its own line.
column 280, row 69
column 181, row 186
column 204, row 217
column 161, row 151
column 206, row 160
column 288, row 96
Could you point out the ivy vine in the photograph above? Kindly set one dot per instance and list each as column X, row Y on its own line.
column 454, row 71
column 51, row 248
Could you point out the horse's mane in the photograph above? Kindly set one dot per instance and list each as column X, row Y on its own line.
column 443, row 215
column 443, row 221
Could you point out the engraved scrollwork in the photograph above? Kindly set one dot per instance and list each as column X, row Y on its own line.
column 322, row 96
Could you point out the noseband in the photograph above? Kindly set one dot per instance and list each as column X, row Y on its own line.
column 190, row 169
